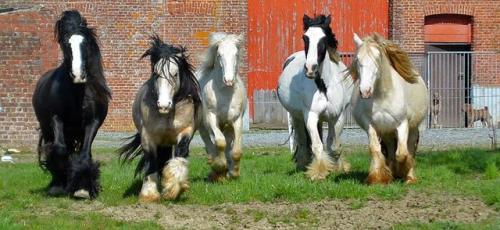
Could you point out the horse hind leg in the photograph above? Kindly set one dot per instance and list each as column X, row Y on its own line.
column 333, row 144
column 175, row 175
column 302, row 152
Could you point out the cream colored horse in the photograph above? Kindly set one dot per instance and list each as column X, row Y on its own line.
column 389, row 103
column 224, row 103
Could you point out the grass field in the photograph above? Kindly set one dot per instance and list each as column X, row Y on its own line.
column 269, row 193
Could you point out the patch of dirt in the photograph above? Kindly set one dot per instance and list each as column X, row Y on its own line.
column 337, row 214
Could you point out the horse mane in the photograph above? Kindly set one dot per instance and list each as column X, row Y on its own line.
column 72, row 22
column 398, row 58
column 323, row 22
column 189, row 86
column 210, row 55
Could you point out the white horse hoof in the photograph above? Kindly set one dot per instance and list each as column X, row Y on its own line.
column 82, row 194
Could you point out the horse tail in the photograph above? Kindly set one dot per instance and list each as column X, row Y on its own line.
column 132, row 149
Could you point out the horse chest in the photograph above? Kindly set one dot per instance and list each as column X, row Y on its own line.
column 387, row 118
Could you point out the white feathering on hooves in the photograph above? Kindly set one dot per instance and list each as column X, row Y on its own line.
column 319, row 168
column 149, row 192
column 175, row 178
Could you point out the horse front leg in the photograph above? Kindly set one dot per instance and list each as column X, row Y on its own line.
column 217, row 161
column 409, row 164
column 84, row 178
column 379, row 171
column 236, row 151
column 149, row 190
column 175, row 175
column 404, row 160
column 56, row 161
column 321, row 164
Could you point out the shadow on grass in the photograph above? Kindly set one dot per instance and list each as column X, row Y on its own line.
column 133, row 189
column 357, row 176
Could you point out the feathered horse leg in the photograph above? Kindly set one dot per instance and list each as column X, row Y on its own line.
column 379, row 171
column 175, row 175
column 321, row 165
column 56, row 159
column 218, row 160
column 84, row 175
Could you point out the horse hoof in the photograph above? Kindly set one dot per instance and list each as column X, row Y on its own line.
column 174, row 191
column 82, row 194
column 319, row 169
column 56, row 191
column 410, row 180
column 381, row 176
column 150, row 198
column 216, row 177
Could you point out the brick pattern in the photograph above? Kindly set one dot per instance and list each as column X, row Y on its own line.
column 123, row 28
column 407, row 29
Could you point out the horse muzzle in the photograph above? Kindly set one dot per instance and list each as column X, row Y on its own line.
column 367, row 93
column 229, row 83
column 164, row 109
column 78, row 79
column 311, row 71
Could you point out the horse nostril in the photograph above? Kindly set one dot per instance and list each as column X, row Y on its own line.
column 314, row 67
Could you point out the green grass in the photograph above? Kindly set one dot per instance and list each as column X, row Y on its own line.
column 268, row 175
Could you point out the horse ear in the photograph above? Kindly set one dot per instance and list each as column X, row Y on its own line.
column 357, row 40
column 306, row 19
column 328, row 20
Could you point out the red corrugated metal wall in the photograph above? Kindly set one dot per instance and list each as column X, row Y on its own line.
column 275, row 31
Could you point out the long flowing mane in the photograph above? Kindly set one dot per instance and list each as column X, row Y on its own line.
column 72, row 22
column 398, row 59
column 210, row 55
column 189, row 86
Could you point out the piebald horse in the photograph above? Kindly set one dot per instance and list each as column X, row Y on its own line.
column 313, row 89
column 71, row 103
column 164, row 113
column 224, row 103
column 389, row 103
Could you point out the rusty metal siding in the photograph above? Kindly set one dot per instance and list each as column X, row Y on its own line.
column 275, row 32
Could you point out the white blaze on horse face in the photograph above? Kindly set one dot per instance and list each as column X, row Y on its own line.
column 368, row 70
column 314, row 34
column 228, row 57
column 167, row 84
column 75, row 42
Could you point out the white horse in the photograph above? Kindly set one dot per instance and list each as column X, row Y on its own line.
column 389, row 103
column 224, row 103
column 313, row 89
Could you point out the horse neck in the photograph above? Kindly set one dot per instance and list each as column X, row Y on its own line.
column 328, row 71
column 384, row 84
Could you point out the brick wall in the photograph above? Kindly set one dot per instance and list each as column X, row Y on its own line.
column 27, row 49
column 407, row 29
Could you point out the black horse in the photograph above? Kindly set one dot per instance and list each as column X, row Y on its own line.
column 71, row 103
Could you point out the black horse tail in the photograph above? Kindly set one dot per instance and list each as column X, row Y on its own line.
column 131, row 150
